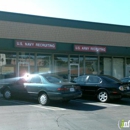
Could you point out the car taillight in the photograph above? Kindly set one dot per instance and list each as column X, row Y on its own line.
column 62, row 89
column 121, row 88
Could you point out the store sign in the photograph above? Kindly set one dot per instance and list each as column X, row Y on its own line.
column 32, row 44
column 89, row 48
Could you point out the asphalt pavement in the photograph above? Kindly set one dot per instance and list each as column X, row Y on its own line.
column 75, row 115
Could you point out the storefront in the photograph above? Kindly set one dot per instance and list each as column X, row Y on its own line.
column 46, row 57
column 30, row 50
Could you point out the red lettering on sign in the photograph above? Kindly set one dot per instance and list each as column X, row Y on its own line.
column 89, row 48
column 31, row 44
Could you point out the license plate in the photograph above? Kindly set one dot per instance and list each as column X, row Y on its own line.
column 72, row 90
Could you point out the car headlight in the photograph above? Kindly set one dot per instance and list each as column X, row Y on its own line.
column 121, row 88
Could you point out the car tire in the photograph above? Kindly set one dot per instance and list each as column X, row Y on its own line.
column 103, row 96
column 7, row 94
column 43, row 99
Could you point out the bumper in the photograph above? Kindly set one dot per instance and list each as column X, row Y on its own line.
column 64, row 96
column 115, row 96
column 126, row 94
column 120, row 94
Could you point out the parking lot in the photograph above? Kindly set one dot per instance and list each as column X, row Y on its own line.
column 80, row 114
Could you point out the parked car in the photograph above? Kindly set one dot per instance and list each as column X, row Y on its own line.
column 44, row 87
column 102, row 87
column 125, row 80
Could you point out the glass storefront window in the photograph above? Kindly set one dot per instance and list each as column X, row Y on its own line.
column 74, row 59
column 91, row 65
column 7, row 65
column 128, row 67
column 61, row 65
column 74, row 67
column 26, row 63
column 106, row 65
column 81, row 65
column 43, row 63
column 118, row 67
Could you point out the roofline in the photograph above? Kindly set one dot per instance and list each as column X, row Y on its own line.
column 51, row 21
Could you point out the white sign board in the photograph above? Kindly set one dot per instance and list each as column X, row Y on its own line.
column 2, row 59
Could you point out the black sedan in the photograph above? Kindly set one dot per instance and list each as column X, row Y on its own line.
column 103, row 87
column 44, row 87
column 125, row 80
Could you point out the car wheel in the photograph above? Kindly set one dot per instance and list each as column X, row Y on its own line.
column 103, row 96
column 7, row 94
column 43, row 99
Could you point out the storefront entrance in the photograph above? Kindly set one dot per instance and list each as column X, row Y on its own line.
column 74, row 71
column 23, row 68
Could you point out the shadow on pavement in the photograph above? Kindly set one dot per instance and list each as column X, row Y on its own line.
column 72, row 105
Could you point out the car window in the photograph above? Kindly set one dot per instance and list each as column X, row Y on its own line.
column 110, row 79
column 35, row 79
column 125, row 80
column 81, row 79
column 54, row 78
column 93, row 79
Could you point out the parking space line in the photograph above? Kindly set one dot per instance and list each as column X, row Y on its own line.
column 48, row 107
column 34, row 105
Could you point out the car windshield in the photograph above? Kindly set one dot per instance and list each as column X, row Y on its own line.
column 54, row 78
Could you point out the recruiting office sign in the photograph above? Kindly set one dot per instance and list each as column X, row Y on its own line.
column 32, row 44
column 85, row 48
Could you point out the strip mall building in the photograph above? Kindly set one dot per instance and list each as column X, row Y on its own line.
column 69, row 48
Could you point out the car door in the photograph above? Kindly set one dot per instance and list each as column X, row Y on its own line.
column 81, row 80
column 90, row 85
column 18, row 87
column 34, row 85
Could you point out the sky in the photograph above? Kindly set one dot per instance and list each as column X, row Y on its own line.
column 101, row 11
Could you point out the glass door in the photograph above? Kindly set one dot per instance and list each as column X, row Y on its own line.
column 23, row 68
column 26, row 63
column 74, row 71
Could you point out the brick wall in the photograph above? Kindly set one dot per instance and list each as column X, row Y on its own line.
column 26, row 31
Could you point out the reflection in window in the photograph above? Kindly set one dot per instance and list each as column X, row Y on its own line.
column 81, row 60
column 128, row 67
column 91, row 65
column 105, row 65
column 7, row 65
column 35, row 79
column 26, row 63
column 53, row 78
column 43, row 63
column 61, row 65
column 93, row 79
column 74, row 68
column 74, row 59
column 118, row 65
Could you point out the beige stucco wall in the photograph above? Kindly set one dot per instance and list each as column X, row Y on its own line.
column 26, row 31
